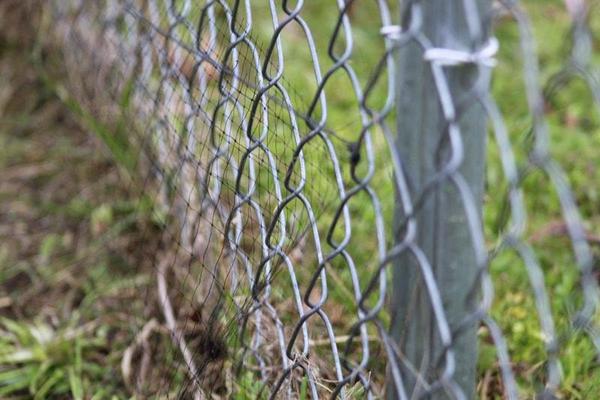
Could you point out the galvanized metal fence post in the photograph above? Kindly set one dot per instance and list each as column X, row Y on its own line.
column 442, row 233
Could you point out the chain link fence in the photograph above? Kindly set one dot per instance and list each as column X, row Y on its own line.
column 336, row 220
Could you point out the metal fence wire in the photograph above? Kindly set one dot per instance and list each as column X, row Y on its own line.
column 337, row 221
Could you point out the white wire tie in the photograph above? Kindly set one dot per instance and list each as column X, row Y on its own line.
column 448, row 57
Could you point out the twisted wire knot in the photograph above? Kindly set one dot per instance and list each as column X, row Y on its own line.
column 449, row 57
column 391, row 31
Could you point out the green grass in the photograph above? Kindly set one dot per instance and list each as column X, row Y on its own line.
column 574, row 128
column 41, row 361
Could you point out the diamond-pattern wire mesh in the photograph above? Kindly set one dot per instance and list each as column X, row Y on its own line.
column 284, row 221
